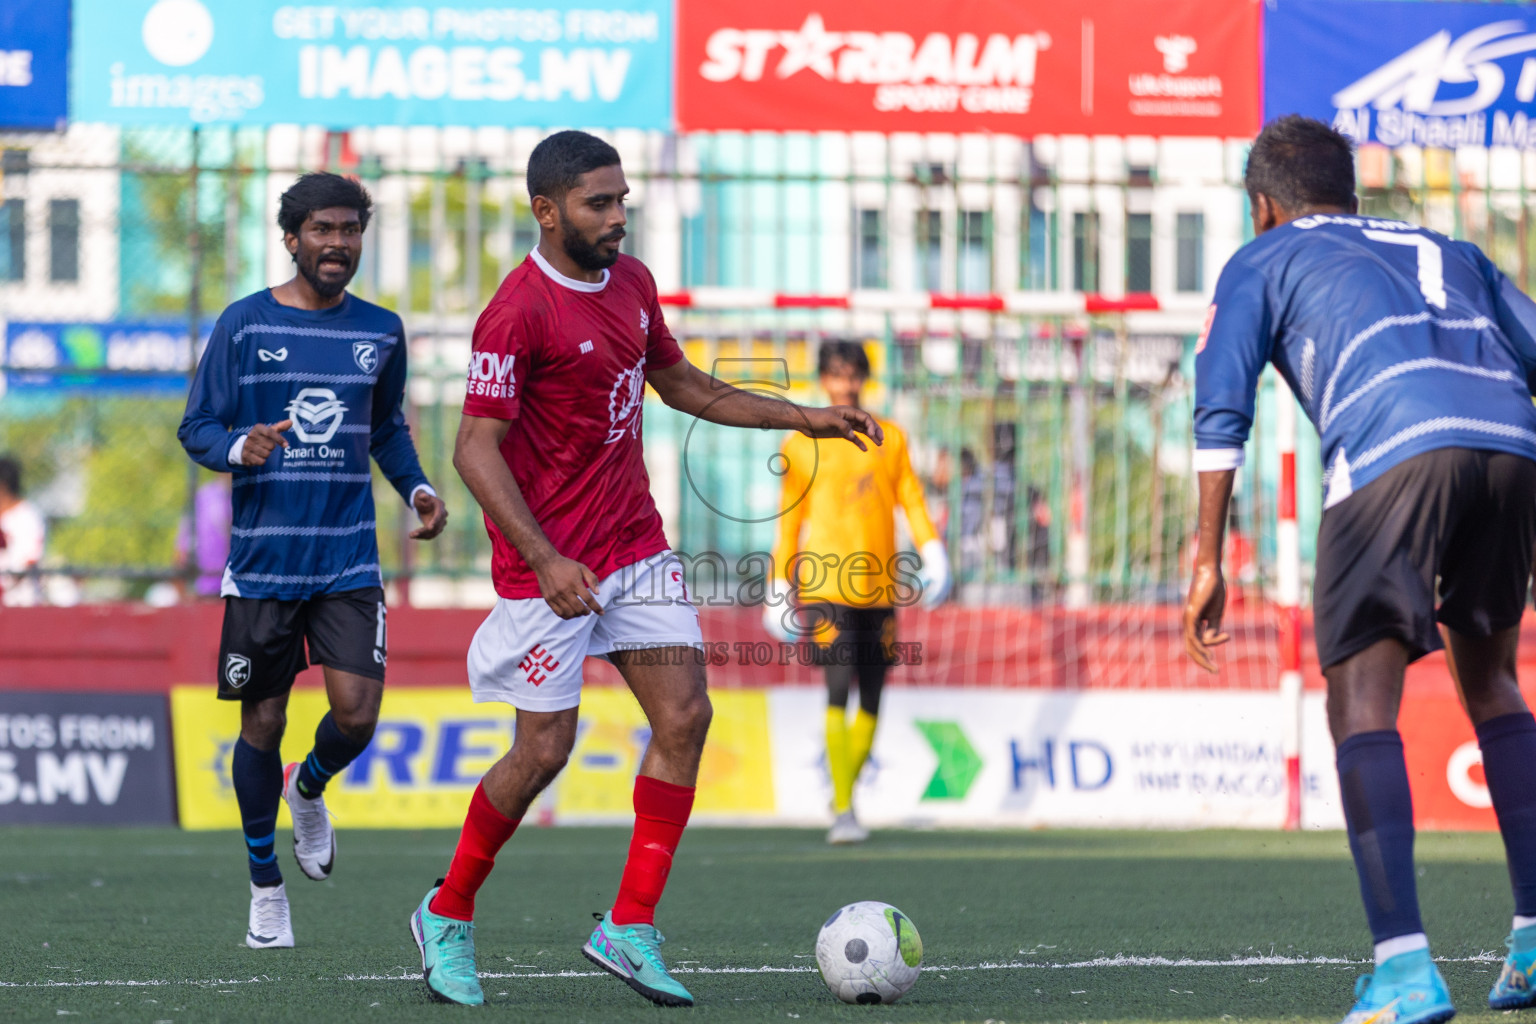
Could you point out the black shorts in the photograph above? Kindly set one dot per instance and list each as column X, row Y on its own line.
column 262, row 646
column 845, row 635
column 1466, row 516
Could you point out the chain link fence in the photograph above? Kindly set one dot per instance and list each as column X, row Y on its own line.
column 1054, row 444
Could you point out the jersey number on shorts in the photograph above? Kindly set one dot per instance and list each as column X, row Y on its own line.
column 1431, row 262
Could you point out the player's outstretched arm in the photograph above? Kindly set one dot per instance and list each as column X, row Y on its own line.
column 689, row 389
column 1208, row 592
column 569, row 587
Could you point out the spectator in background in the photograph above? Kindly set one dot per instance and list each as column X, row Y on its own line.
column 22, row 535
column 205, row 535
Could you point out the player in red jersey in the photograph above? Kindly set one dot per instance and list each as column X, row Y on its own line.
column 549, row 445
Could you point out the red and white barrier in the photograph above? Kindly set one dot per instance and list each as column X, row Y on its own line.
column 1038, row 303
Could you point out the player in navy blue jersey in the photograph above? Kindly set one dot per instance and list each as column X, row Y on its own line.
column 299, row 386
column 1414, row 357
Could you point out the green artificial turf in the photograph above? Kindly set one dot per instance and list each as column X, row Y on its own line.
column 1004, row 918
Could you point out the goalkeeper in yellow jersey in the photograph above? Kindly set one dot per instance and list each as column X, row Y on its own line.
column 836, row 560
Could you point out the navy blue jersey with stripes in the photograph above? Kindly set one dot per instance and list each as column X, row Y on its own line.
column 1395, row 339
column 304, row 521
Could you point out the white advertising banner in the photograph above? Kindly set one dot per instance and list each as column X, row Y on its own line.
column 1022, row 758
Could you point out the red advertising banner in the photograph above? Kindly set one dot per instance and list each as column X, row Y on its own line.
column 1022, row 67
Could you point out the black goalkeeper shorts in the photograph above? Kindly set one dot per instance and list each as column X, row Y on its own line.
column 1465, row 516
column 262, row 646
column 846, row 635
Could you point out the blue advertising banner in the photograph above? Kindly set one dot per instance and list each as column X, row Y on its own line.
column 1405, row 73
column 98, row 356
column 354, row 62
column 34, row 59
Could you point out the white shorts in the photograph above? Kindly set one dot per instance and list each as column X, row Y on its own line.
column 525, row 655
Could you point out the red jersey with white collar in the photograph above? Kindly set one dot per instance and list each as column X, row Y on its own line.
column 565, row 361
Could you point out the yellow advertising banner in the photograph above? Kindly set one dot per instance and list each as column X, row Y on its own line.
column 433, row 744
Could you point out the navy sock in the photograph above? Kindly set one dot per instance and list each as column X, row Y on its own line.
column 1509, row 765
column 333, row 751
column 258, row 778
column 1378, row 809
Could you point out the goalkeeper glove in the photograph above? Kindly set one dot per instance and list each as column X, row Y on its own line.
column 934, row 575
column 778, row 611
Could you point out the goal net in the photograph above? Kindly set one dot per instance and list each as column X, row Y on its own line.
column 1053, row 437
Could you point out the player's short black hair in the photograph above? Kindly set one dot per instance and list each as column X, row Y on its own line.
column 10, row 475
column 557, row 163
column 321, row 190
column 1300, row 162
column 840, row 351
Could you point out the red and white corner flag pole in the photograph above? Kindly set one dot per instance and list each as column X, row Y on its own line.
column 1288, row 558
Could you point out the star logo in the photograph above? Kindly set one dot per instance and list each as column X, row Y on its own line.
column 811, row 47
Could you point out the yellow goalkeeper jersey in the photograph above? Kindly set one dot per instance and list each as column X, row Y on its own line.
column 846, row 519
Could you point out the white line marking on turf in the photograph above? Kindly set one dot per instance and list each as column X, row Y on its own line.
column 1121, row 960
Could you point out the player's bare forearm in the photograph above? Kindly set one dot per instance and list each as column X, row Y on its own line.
column 1204, row 609
column 688, row 389
column 477, row 457
column 1215, row 497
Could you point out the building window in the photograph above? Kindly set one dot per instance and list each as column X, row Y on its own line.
column 975, row 248
column 1138, row 252
column 63, row 240
column 869, row 249
column 1190, row 255
column 13, row 240
column 930, row 250
column 1037, row 248
column 1085, row 251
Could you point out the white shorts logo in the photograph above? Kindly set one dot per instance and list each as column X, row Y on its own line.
column 366, row 355
column 316, row 415
column 237, row 670
column 624, row 402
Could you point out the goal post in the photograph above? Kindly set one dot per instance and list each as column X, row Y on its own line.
column 1053, row 435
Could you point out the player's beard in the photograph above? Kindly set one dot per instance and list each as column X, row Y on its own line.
column 584, row 254
column 309, row 267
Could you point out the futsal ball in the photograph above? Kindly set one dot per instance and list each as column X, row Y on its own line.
column 869, row 953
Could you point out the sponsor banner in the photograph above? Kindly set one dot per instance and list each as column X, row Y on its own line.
column 1445, row 765
column 1118, row 760
column 1405, row 73
column 85, row 758
column 356, row 62
column 34, row 56
column 127, row 356
column 1112, row 67
column 433, row 744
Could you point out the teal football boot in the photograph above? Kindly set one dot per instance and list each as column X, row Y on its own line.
column 447, row 954
column 630, row 953
column 1407, row 989
column 1513, row 990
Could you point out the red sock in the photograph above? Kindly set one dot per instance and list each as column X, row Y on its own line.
column 485, row 830
column 661, row 812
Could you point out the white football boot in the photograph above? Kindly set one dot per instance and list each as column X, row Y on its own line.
column 314, row 840
column 270, row 927
column 846, row 830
